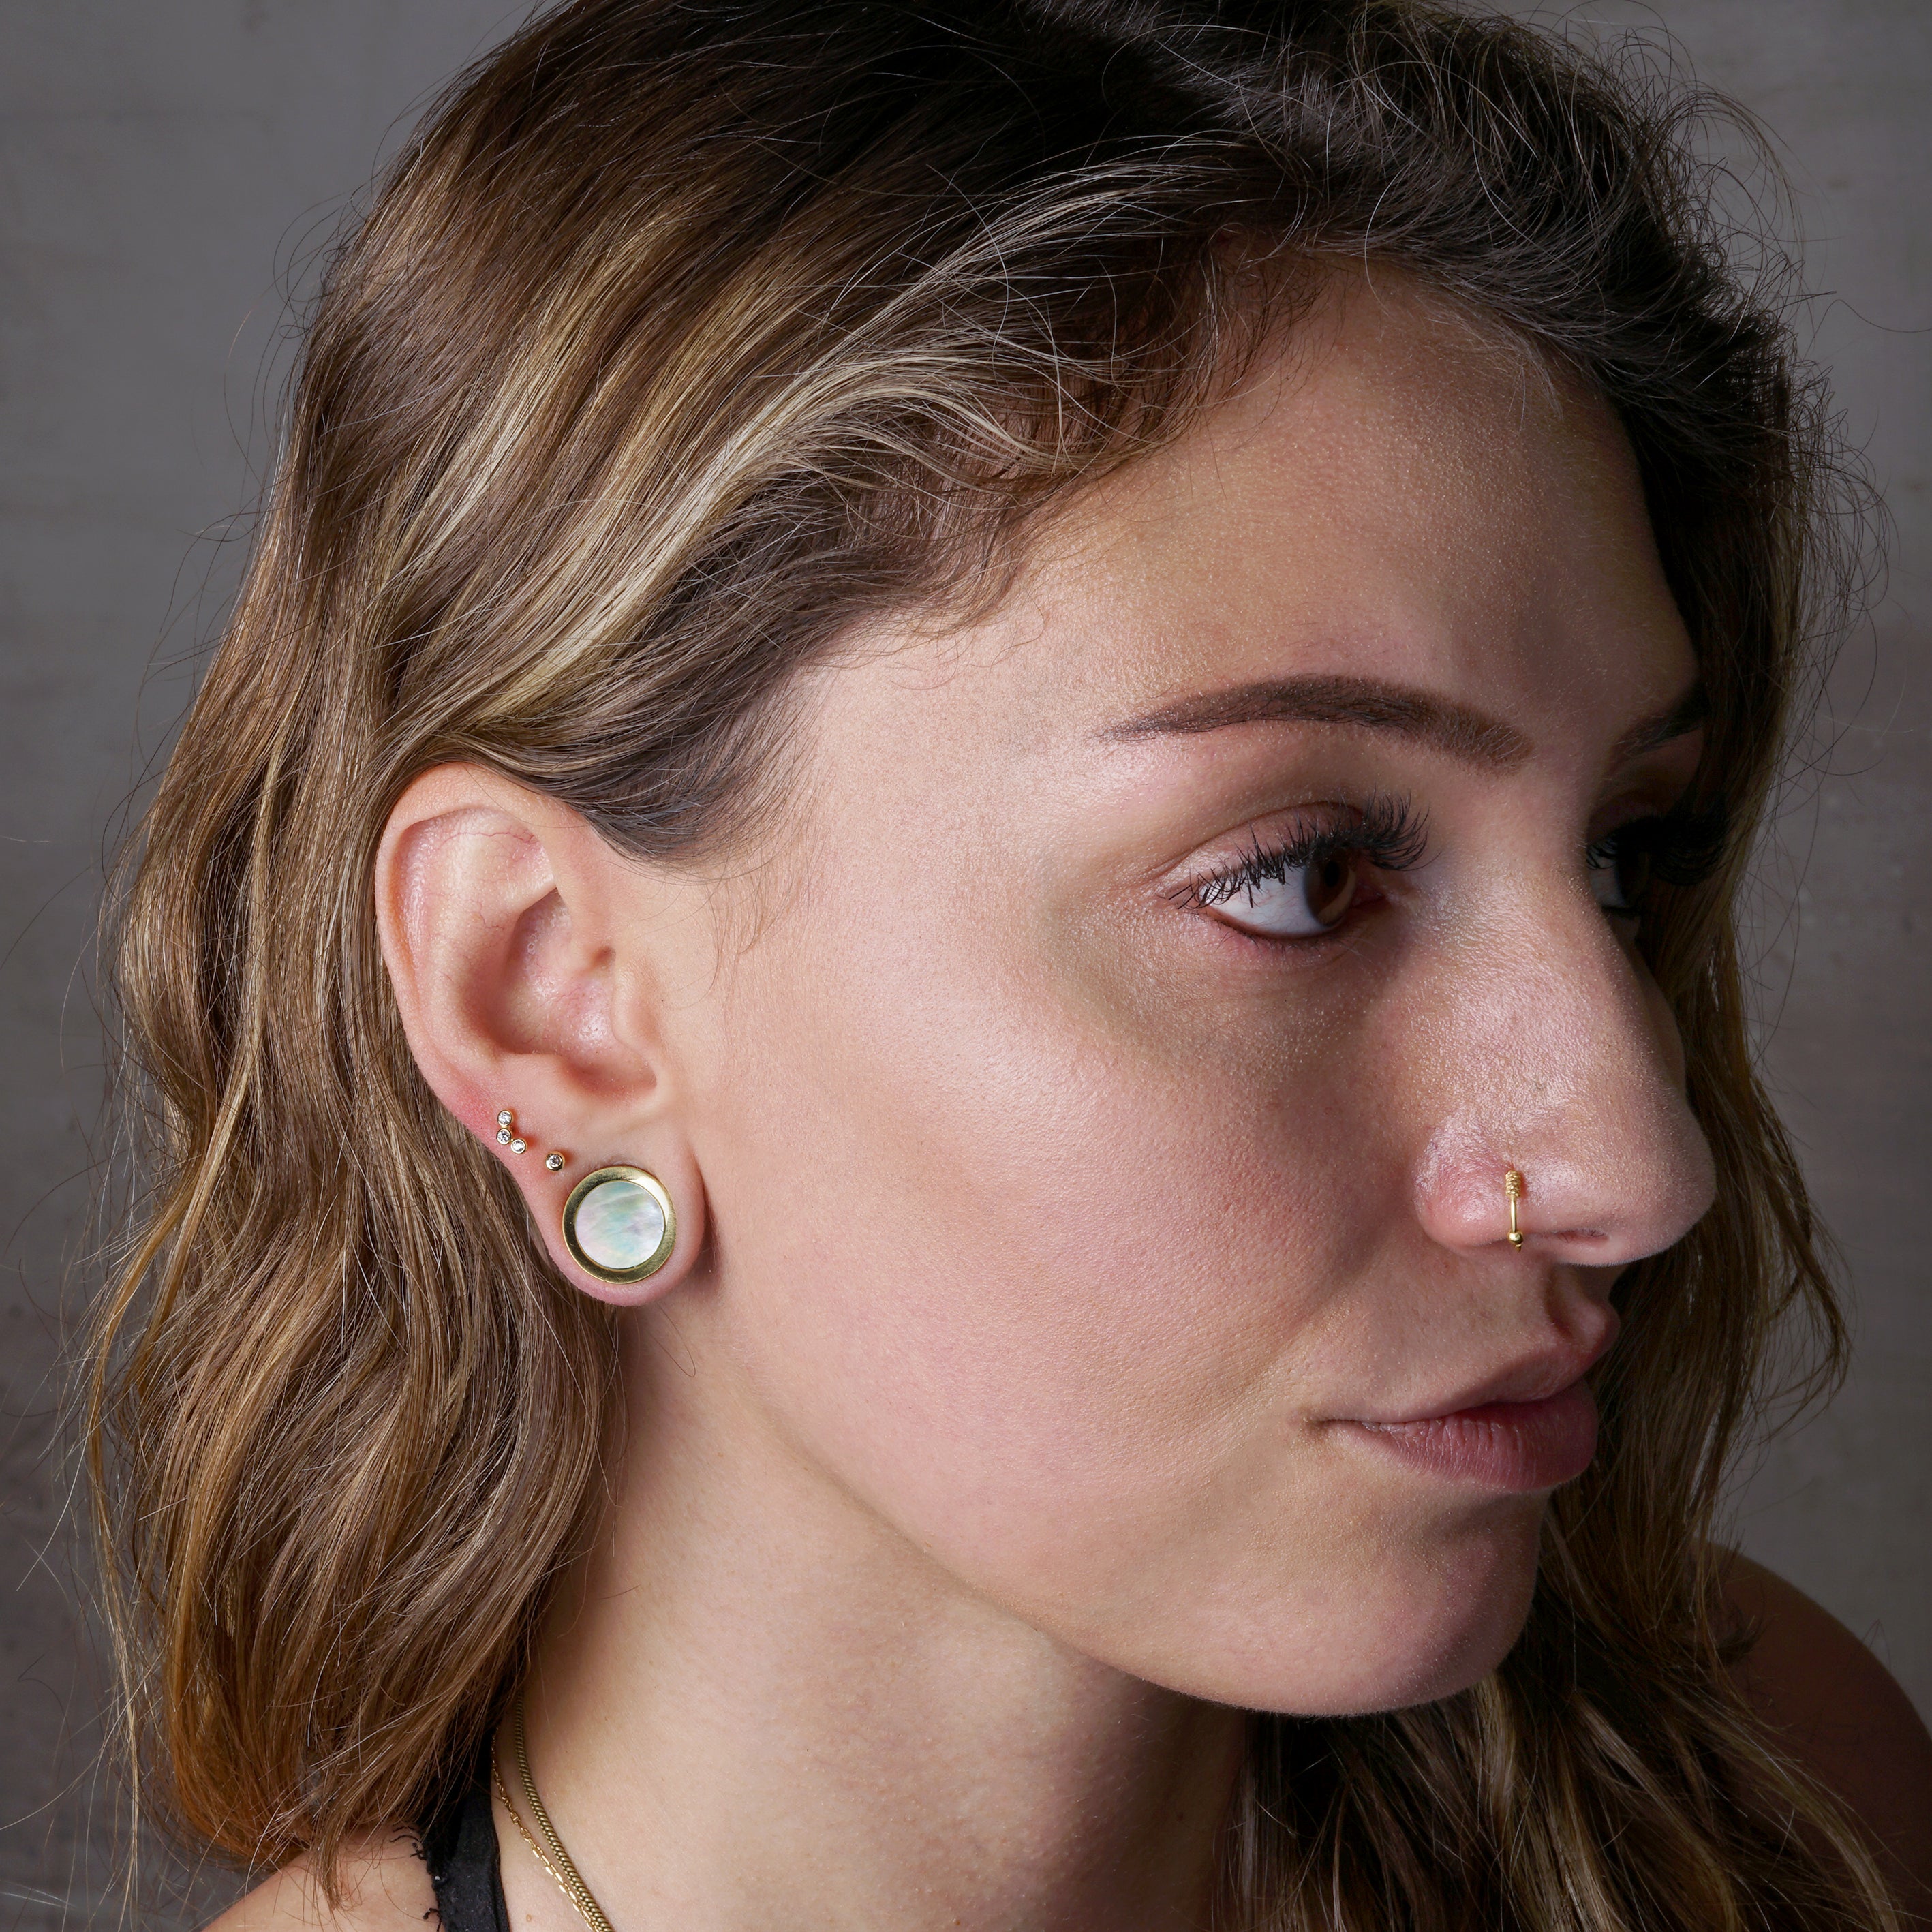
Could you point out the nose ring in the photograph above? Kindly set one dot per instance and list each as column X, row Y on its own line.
column 1512, row 1187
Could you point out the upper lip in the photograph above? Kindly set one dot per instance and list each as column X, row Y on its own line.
column 1534, row 1377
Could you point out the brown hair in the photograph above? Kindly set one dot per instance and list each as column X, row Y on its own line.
column 685, row 335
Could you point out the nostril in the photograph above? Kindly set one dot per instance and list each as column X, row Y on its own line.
column 1579, row 1186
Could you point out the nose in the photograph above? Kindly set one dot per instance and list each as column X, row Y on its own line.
column 1557, row 1058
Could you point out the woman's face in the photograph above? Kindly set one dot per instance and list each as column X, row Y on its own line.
column 1103, row 1111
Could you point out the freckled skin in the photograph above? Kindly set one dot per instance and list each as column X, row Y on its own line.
column 1060, row 1223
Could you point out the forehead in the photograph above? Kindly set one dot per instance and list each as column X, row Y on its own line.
column 1400, row 494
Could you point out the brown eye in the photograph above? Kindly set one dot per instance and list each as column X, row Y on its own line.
column 1305, row 901
column 1330, row 887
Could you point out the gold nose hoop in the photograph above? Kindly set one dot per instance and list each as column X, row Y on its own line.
column 1512, row 1187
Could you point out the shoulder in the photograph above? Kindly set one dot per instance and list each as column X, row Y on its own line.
column 386, row 1887
column 1837, row 1709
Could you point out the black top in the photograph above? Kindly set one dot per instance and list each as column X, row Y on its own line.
column 459, row 1848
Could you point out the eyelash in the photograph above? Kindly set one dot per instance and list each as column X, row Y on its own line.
column 1388, row 831
column 1684, row 847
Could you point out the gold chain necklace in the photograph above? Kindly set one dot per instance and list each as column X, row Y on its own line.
column 569, row 1881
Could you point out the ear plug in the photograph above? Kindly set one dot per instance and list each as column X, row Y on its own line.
column 619, row 1224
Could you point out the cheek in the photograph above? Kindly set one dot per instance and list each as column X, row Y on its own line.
column 1010, row 1208
column 1017, row 1267
column 1056, row 1286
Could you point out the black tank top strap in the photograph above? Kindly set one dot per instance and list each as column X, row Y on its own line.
column 459, row 1848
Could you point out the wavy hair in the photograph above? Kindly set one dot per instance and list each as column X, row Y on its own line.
column 685, row 336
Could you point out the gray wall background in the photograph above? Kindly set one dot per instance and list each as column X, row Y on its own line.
column 164, row 169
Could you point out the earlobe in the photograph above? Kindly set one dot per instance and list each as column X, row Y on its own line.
column 620, row 1233
column 495, row 907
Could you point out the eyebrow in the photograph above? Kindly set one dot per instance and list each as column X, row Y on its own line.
column 1367, row 703
column 1690, row 713
column 1466, row 734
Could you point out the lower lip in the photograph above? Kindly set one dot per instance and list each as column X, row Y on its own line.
column 1511, row 1446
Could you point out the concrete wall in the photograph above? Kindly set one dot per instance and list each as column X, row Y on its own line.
column 164, row 170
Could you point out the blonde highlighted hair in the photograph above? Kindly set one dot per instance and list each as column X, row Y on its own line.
column 685, row 336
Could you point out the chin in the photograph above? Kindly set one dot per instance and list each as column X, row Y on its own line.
column 1405, row 1626
column 1459, row 1651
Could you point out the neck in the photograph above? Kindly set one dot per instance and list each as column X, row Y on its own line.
column 759, row 1704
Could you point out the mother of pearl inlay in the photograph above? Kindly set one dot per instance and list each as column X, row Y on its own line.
column 620, row 1224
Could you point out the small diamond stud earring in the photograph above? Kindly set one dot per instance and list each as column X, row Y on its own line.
column 506, row 1135
column 554, row 1162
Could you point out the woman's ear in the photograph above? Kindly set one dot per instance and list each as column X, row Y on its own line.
column 520, row 947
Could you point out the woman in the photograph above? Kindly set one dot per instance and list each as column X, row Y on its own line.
column 954, row 1118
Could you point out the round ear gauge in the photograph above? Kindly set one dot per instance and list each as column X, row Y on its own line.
column 619, row 1224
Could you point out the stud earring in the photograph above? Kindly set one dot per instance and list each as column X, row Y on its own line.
column 619, row 1224
column 506, row 1133
column 1513, row 1188
column 554, row 1162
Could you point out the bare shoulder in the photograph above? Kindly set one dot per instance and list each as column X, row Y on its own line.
column 385, row 1888
column 1840, row 1711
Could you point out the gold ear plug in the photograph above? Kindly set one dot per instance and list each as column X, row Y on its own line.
column 1512, row 1187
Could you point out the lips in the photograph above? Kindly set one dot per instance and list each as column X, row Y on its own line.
column 1508, row 1446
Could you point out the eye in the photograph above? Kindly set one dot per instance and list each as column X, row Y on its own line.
column 1620, row 868
column 1304, row 886
column 1304, row 900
